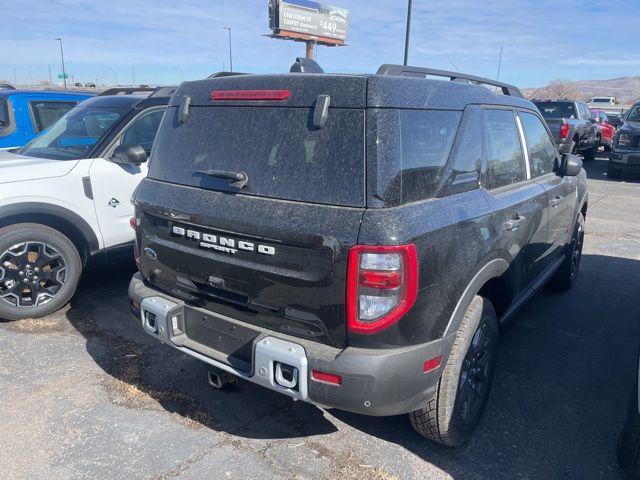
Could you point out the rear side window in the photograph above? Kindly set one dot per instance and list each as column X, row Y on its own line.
column 4, row 116
column 505, row 161
column 282, row 153
column 410, row 148
column 46, row 113
column 542, row 152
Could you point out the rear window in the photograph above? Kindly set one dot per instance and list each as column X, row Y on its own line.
column 557, row 109
column 410, row 149
column 281, row 152
column 46, row 113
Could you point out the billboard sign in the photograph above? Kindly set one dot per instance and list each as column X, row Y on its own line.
column 317, row 20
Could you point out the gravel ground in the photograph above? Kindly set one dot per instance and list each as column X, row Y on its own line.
column 85, row 394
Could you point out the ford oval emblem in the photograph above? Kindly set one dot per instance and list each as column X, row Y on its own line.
column 150, row 253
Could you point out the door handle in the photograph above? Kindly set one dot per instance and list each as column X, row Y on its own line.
column 514, row 223
column 555, row 201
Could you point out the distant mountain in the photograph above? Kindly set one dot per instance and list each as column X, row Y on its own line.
column 624, row 89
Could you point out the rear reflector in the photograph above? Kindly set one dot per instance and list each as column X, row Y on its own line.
column 432, row 364
column 326, row 377
column 251, row 95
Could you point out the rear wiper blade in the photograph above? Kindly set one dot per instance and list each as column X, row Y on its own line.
column 240, row 179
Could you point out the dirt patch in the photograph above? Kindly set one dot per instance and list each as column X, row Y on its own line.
column 351, row 467
column 36, row 325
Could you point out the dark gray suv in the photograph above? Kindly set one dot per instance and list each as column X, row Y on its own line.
column 354, row 241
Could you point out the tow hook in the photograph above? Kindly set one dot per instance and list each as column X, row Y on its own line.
column 286, row 375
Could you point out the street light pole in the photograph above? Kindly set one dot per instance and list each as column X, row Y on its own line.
column 228, row 29
column 406, row 38
column 64, row 73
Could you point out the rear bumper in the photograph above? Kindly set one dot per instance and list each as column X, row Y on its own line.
column 375, row 382
column 625, row 159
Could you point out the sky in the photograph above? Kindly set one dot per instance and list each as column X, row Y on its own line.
column 164, row 42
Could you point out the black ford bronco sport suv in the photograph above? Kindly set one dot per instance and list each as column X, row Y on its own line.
column 354, row 241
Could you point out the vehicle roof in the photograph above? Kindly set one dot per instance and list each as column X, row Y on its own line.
column 49, row 93
column 350, row 91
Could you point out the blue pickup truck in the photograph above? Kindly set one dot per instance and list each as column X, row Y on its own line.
column 25, row 113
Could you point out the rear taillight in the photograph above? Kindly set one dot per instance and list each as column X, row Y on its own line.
column 382, row 283
column 564, row 130
column 133, row 221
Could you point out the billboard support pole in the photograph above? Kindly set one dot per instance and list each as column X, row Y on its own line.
column 310, row 52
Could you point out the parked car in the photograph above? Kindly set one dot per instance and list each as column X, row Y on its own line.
column 6, row 86
column 572, row 126
column 90, row 85
column 78, row 84
column 602, row 101
column 370, row 283
column 65, row 199
column 606, row 129
column 625, row 151
column 629, row 443
column 25, row 113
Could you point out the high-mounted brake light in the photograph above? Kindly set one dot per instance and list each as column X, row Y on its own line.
column 382, row 285
column 564, row 130
column 251, row 95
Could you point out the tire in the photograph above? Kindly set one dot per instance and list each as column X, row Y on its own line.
column 566, row 275
column 629, row 444
column 448, row 417
column 607, row 147
column 589, row 155
column 614, row 173
column 39, row 271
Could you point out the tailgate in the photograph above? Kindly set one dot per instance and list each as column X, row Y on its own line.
column 271, row 263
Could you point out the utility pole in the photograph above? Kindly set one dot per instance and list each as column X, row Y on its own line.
column 133, row 73
column 228, row 29
column 499, row 64
column 50, row 77
column 64, row 73
column 406, row 38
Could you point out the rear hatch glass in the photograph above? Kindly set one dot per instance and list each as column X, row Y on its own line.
column 283, row 155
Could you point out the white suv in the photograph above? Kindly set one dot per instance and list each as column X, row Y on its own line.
column 65, row 198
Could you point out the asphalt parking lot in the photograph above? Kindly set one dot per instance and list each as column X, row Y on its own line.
column 86, row 394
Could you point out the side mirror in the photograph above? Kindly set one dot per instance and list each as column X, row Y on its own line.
column 571, row 165
column 129, row 154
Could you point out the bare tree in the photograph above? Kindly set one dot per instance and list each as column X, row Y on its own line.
column 557, row 88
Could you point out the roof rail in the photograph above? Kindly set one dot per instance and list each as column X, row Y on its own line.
column 163, row 92
column 407, row 71
column 126, row 90
column 225, row 74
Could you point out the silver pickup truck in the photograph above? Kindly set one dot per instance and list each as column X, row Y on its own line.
column 572, row 125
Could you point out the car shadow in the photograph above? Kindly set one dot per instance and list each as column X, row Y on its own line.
column 565, row 370
column 146, row 374
column 565, row 367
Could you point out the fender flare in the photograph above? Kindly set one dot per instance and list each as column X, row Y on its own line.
column 64, row 215
column 492, row 269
